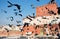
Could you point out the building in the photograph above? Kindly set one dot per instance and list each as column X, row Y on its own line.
column 45, row 10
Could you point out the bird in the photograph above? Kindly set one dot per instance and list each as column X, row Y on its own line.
column 50, row 24
column 38, row 0
column 33, row 15
column 26, row 24
column 18, row 6
column 29, row 18
column 20, row 15
column 4, row 11
column 15, row 9
column 18, row 21
column 51, row 12
column 20, row 11
column 32, row 6
column 16, row 13
column 51, row 1
column 9, row 25
column 12, row 18
column 58, row 10
column 47, row 8
column 6, row 29
column 18, row 25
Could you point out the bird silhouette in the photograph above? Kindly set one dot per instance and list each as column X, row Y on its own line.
column 18, row 21
column 32, row 6
column 47, row 8
column 15, row 9
column 18, row 25
column 20, row 15
column 58, row 10
column 4, row 11
column 33, row 15
column 12, row 18
column 18, row 6
column 51, row 1
column 16, row 13
column 20, row 11
column 29, row 18
column 51, row 12
column 38, row 0
column 10, row 25
column 6, row 29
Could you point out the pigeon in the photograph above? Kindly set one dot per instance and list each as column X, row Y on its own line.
column 45, row 24
column 10, row 25
column 6, row 29
column 33, row 15
column 58, row 10
column 15, row 9
column 20, row 11
column 32, row 6
column 18, row 21
column 4, row 11
column 12, row 18
column 29, row 18
column 20, row 15
column 38, row 0
column 18, row 25
column 52, row 1
column 47, row 8
column 26, row 24
column 16, row 13
column 50, row 24
column 18, row 6
column 59, row 24
column 51, row 12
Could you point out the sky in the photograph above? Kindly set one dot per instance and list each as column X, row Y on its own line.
column 25, row 7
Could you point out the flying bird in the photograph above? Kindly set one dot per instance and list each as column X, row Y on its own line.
column 33, row 15
column 12, row 18
column 32, row 6
column 51, row 12
column 47, row 8
column 6, row 29
column 52, row 1
column 18, row 25
column 50, row 24
column 9, row 25
column 26, row 24
column 18, row 21
column 18, row 6
column 4, row 11
column 38, row 0
column 16, row 13
column 20, row 15
column 29, row 18
column 15, row 9
column 58, row 10
column 20, row 11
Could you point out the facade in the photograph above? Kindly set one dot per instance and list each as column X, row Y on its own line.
column 44, row 10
